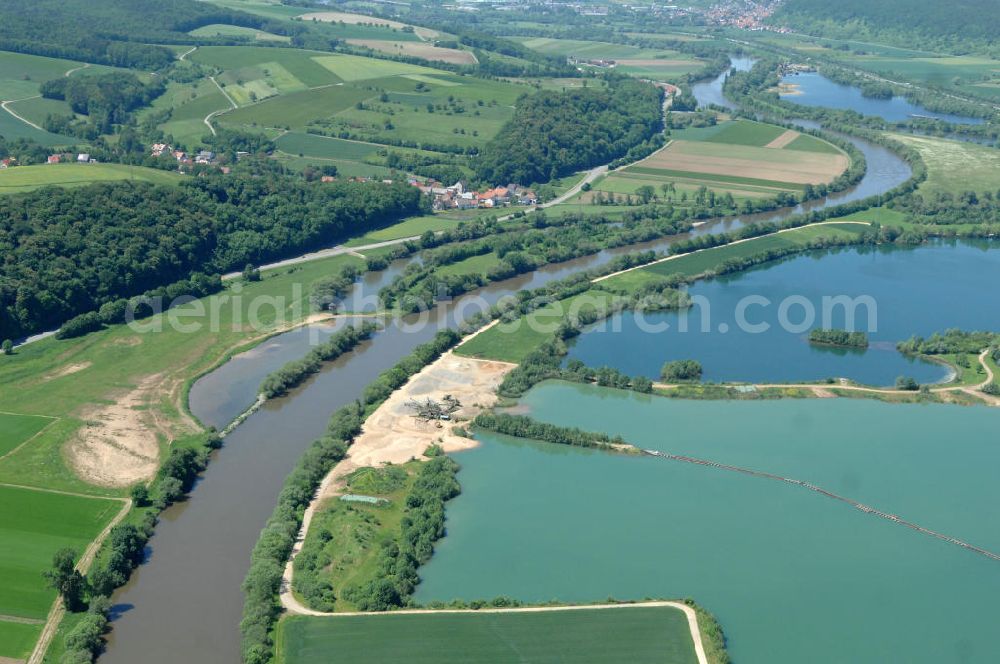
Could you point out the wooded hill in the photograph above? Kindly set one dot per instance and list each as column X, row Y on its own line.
column 946, row 24
column 553, row 134
column 116, row 32
column 68, row 251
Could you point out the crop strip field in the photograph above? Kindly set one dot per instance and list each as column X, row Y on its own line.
column 418, row 50
column 735, row 161
column 632, row 633
column 16, row 430
column 34, row 524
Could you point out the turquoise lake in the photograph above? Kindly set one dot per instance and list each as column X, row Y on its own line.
column 814, row 89
column 792, row 576
column 915, row 291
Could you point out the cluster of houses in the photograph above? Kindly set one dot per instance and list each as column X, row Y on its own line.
column 205, row 157
column 69, row 157
column 456, row 197
column 591, row 62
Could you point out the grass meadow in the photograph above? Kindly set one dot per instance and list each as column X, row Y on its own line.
column 407, row 228
column 955, row 166
column 17, row 639
column 224, row 30
column 26, row 178
column 16, row 429
column 511, row 342
column 110, row 362
column 33, row 526
column 708, row 260
column 360, row 529
column 638, row 635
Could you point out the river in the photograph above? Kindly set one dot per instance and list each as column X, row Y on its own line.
column 184, row 603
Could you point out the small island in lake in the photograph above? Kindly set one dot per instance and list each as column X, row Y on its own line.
column 839, row 338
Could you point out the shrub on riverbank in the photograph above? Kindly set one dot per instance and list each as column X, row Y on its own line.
column 295, row 372
column 951, row 342
column 681, row 371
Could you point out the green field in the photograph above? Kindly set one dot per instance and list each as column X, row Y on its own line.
column 511, row 342
column 588, row 636
column 954, row 166
column 221, row 29
column 296, row 110
column 15, row 429
column 37, row 109
column 323, row 146
column 709, row 179
column 356, row 68
column 299, row 63
column 698, row 263
column 21, row 74
column 590, row 50
column 33, row 526
column 407, row 228
column 26, row 178
column 745, row 132
column 12, row 128
column 17, row 639
column 189, row 104
column 268, row 8
column 471, row 265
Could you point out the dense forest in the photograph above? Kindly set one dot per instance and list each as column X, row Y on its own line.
column 941, row 24
column 67, row 251
column 553, row 134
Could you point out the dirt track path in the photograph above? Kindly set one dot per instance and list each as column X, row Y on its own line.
column 821, row 388
column 22, row 119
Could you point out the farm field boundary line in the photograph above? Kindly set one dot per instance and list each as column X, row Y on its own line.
column 692, row 617
column 31, row 438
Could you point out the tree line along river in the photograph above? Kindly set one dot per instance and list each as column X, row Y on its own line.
column 184, row 604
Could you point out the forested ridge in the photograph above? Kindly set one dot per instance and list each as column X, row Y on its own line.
column 896, row 20
column 67, row 251
column 553, row 134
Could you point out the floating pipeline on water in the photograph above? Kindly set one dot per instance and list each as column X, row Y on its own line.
column 829, row 494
